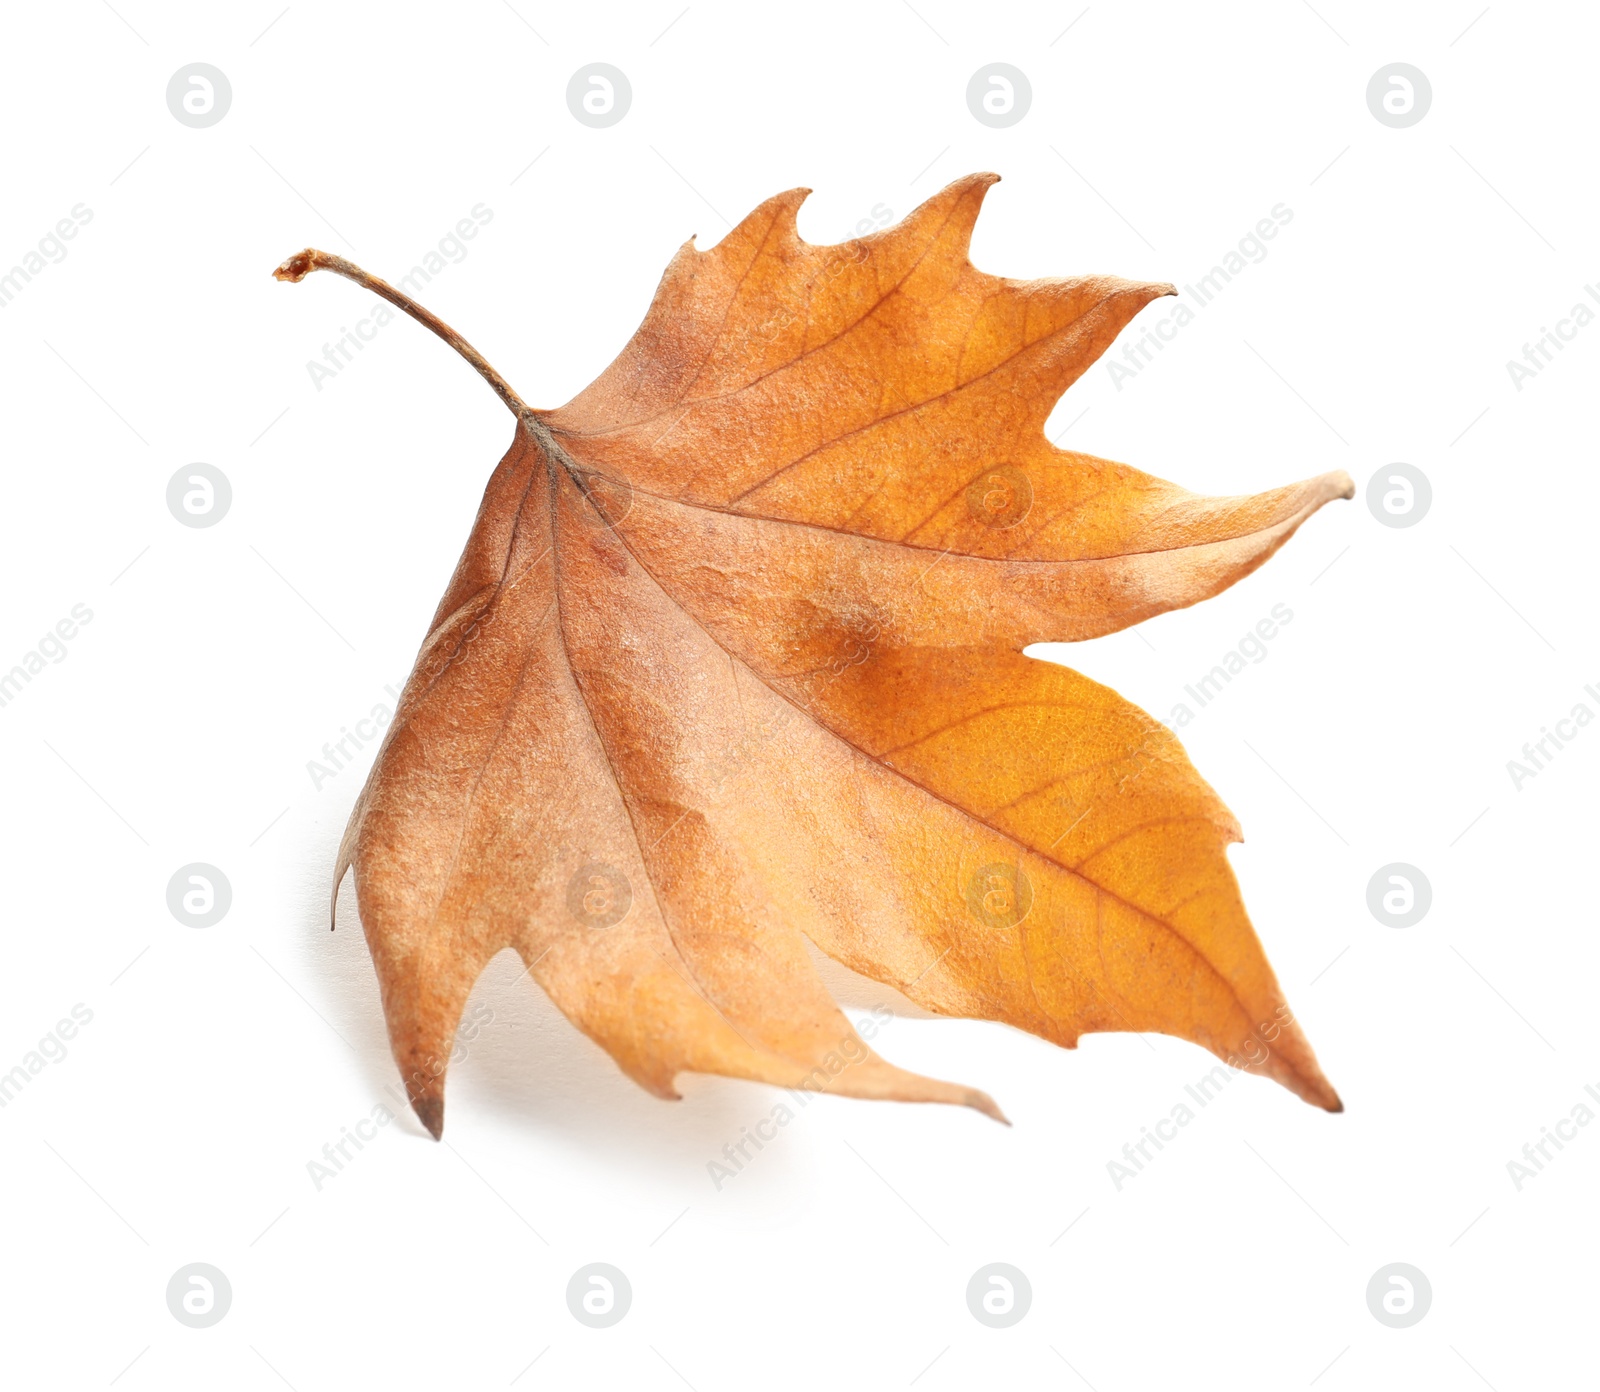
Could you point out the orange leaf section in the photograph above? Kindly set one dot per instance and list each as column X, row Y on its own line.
column 733, row 660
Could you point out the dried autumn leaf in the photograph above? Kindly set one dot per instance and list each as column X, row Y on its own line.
column 733, row 659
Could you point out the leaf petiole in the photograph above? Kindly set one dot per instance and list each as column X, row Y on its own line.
column 297, row 267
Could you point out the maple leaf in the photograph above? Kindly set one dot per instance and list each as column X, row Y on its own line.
column 733, row 660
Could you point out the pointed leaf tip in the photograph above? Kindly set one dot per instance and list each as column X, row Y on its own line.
column 982, row 1102
column 430, row 1112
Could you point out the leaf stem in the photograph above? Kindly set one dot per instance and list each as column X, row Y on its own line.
column 302, row 263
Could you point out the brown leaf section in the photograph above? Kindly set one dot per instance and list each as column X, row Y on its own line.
column 495, row 817
column 733, row 660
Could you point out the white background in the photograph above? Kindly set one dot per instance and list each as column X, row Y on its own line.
column 180, row 1124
